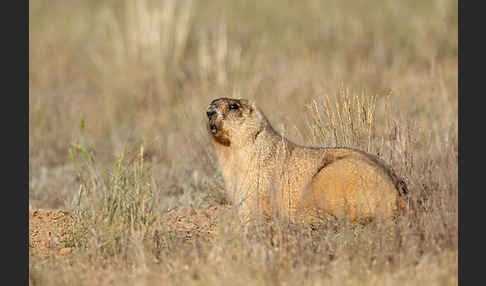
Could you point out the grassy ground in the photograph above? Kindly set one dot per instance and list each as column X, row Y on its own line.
column 117, row 93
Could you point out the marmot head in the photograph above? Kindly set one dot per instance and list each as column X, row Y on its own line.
column 234, row 120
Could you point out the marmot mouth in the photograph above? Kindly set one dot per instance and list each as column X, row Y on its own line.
column 217, row 134
column 212, row 127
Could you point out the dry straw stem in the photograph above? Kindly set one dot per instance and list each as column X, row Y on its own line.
column 348, row 117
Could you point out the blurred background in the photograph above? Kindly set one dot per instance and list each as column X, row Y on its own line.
column 117, row 75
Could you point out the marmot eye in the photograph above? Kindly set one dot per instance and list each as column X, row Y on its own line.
column 233, row 106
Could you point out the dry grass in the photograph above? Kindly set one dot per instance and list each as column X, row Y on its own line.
column 117, row 92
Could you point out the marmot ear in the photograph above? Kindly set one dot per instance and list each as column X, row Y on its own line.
column 249, row 103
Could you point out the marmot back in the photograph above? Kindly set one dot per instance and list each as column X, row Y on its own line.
column 266, row 174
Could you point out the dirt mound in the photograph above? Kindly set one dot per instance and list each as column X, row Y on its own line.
column 188, row 223
column 50, row 231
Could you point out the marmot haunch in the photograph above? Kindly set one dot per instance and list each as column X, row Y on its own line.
column 267, row 174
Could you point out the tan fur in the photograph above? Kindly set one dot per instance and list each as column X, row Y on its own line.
column 269, row 175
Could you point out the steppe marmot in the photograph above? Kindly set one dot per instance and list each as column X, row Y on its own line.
column 266, row 174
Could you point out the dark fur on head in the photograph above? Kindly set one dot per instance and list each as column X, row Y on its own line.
column 227, row 115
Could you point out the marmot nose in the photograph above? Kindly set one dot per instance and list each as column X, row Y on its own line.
column 210, row 113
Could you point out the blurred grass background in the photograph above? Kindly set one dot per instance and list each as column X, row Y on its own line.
column 123, row 73
column 111, row 80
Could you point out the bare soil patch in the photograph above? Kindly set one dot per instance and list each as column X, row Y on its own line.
column 189, row 223
column 50, row 231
